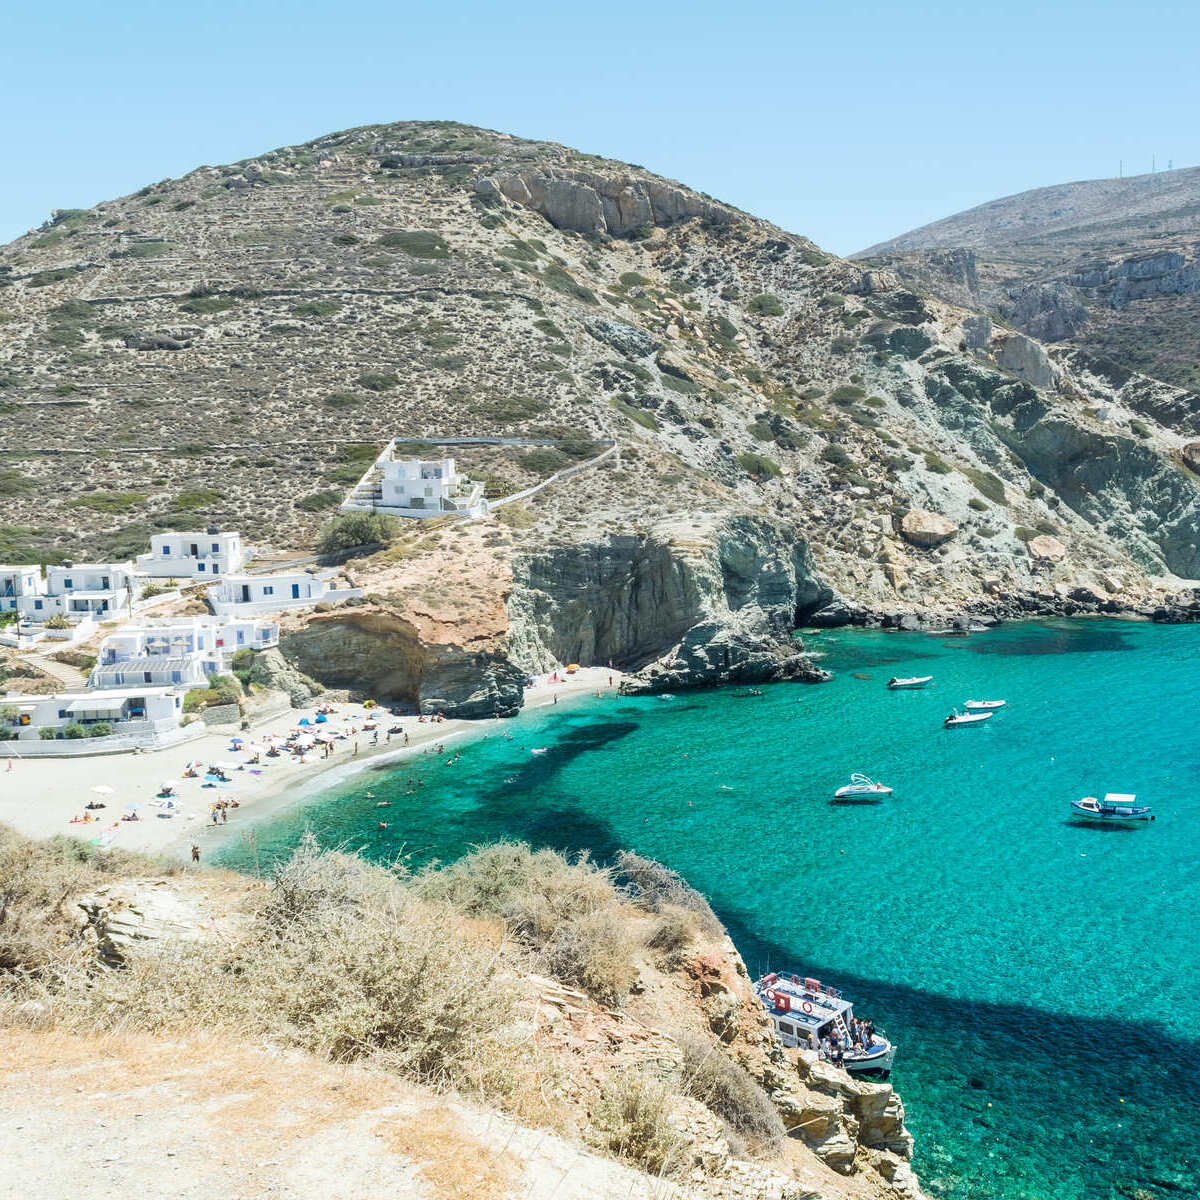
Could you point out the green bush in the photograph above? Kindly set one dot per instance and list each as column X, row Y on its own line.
column 108, row 502
column 989, row 485
column 759, row 466
column 47, row 734
column 317, row 308
column 75, row 731
column 1139, row 428
column 243, row 659
column 846, row 394
column 977, row 504
column 640, row 416
column 344, row 239
column 342, row 400
column 355, row 529
column 544, row 460
column 416, row 243
column 319, row 501
column 835, row 454
column 935, row 464
column 100, row 729
column 563, row 281
column 197, row 498
column 377, row 382
column 765, row 305
column 208, row 304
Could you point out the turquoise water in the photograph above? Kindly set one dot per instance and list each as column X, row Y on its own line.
column 1041, row 978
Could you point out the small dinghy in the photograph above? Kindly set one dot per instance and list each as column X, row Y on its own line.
column 984, row 705
column 955, row 719
column 862, row 787
column 917, row 681
column 1115, row 807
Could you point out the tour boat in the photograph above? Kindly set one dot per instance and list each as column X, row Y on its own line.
column 956, row 718
column 984, row 705
column 917, row 681
column 1116, row 806
column 799, row 1008
column 861, row 787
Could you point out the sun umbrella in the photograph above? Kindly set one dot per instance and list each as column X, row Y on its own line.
column 102, row 789
column 237, row 740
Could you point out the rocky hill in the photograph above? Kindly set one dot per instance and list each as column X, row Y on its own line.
column 1109, row 265
column 798, row 437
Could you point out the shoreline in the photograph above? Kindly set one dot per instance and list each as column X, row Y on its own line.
column 39, row 797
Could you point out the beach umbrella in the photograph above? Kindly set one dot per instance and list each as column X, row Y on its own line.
column 102, row 789
column 237, row 741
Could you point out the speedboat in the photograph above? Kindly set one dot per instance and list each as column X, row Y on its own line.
column 1116, row 806
column 955, row 719
column 801, row 1009
column 984, row 705
column 916, row 681
column 861, row 787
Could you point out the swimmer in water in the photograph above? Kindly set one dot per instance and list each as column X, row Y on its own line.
column 381, row 825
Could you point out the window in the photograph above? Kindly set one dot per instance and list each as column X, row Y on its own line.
column 38, row 605
column 200, row 567
column 119, row 679
column 166, row 551
column 67, row 584
column 216, row 547
column 786, row 1029
column 176, row 676
column 147, row 677
column 268, row 591
column 241, row 636
column 62, row 714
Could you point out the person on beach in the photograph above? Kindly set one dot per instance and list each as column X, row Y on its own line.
column 195, row 853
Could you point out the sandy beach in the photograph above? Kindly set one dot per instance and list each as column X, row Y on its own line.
column 44, row 797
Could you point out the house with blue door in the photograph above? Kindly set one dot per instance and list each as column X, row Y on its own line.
column 79, row 591
column 241, row 595
column 207, row 555
column 16, row 582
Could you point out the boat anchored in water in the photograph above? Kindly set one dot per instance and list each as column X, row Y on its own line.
column 955, row 719
column 1115, row 807
column 984, row 705
column 807, row 1014
column 862, row 787
column 915, row 681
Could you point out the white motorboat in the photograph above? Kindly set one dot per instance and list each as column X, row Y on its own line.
column 955, row 719
column 862, row 787
column 1115, row 807
column 916, row 681
column 803, row 1011
column 984, row 705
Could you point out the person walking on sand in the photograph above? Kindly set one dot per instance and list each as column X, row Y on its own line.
column 195, row 853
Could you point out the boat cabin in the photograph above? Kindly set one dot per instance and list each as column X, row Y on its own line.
column 799, row 1007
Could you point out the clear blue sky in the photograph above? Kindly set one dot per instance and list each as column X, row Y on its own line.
column 848, row 122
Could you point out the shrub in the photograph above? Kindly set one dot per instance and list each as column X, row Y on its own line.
column 846, row 394
column 935, row 464
column 58, row 621
column 355, row 529
column 100, row 729
column 342, row 400
column 544, row 461
column 653, row 887
column 319, row 501
column 977, row 504
column 12, row 483
column 765, row 305
column 108, row 502
column 47, row 734
column 344, row 239
column 416, row 243
column 1024, row 533
column 631, row 1120
column 375, row 382
column 1139, row 428
column 317, row 308
column 989, row 485
column 759, row 466
column 836, row 454
column 729, row 1091
column 197, row 498
column 563, row 281
column 208, row 304
column 75, row 731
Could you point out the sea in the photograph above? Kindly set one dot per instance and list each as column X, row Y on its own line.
column 1040, row 977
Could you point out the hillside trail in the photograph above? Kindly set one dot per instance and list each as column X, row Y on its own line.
column 70, row 677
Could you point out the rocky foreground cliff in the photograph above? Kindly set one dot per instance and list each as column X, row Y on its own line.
column 513, row 1025
column 795, row 437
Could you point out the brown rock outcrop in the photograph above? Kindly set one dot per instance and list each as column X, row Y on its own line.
column 1046, row 548
column 926, row 529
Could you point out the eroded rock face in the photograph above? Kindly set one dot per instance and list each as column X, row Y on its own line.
column 1191, row 456
column 1025, row 359
column 926, row 529
column 591, row 202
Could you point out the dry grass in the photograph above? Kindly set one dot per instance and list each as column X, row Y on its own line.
column 631, row 1120
column 453, row 1162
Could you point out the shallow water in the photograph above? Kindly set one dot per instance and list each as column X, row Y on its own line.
column 1040, row 977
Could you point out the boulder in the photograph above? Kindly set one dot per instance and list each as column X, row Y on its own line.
column 926, row 529
column 1045, row 548
column 1025, row 358
column 626, row 339
column 270, row 669
column 1191, row 456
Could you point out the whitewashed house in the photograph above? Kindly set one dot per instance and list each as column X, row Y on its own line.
column 214, row 640
column 207, row 555
column 150, row 713
column 154, row 670
column 16, row 582
column 244, row 595
column 79, row 591
column 415, row 487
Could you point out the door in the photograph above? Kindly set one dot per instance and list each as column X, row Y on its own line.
column 245, row 593
column 295, row 591
column 194, row 550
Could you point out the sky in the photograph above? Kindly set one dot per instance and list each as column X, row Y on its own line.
column 846, row 122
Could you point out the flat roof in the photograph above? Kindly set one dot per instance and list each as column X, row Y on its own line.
column 109, row 693
column 192, row 533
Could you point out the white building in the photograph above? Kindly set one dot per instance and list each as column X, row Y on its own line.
column 79, row 590
column 16, row 582
column 148, row 711
column 214, row 639
column 193, row 555
column 414, row 487
column 155, row 670
column 244, row 595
